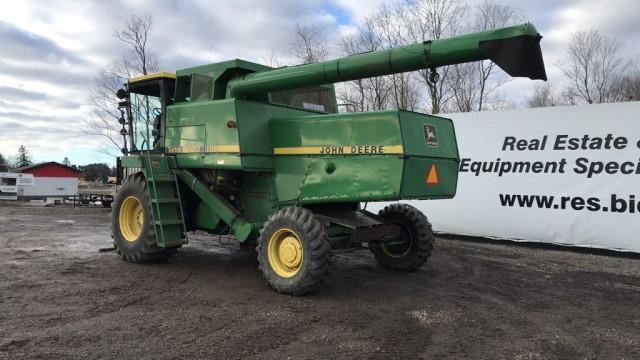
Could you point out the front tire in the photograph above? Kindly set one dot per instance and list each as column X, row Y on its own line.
column 414, row 247
column 132, row 227
column 293, row 251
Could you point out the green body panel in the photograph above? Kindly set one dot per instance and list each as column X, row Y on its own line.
column 206, row 118
column 329, row 174
column 224, row 134
column 220, row 74
column 368, row 128
column 416, row 171
column 206, row 218
column 209, row 161
column 363, row 157
column 253, row 124
column 218, row 209
column 131, row 161
column 199, row 136
column 413, row 135
column 258, row 198
column 306, row 179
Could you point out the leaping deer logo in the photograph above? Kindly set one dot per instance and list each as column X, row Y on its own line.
column 430, row 135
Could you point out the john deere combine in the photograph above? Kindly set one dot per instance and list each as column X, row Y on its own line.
column 237, row 148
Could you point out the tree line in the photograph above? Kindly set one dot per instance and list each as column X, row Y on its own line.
column 89, row 172
column 595, row 71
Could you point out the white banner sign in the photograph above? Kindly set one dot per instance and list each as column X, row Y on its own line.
column 565, row 175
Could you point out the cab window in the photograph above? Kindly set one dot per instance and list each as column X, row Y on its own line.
column 317, row 98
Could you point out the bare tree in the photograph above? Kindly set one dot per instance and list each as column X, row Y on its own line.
column 592, row 64
column 487, row 77
column 136, row 33
column 272, row 59
column 544, row 95
column 310, row 44
column 569, row 96
column 627, row 87
column 137, row 61
column 370, row 93
column 381, row 30
column 465, row 86
column 433, row 20
column 492, row 15
column 389, row 24
column 499, row 102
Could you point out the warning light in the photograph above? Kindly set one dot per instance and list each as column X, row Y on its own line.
column 432, row 176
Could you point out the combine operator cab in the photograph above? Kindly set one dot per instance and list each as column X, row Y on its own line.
column 144, row 100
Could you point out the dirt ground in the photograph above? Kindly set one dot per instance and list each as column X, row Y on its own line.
column 62, row 298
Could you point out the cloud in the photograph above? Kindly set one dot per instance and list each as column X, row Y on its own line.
column 24, row 45
column 359, row 9
column 13, row 93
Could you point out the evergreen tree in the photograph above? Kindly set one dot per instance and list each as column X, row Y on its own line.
column 24, row 158
column 3, row 164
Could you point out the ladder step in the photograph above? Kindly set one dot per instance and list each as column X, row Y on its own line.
column 168, row 222
column 163, row 177
column 165, row 201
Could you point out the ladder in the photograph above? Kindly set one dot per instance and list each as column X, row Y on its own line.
column 164, row 192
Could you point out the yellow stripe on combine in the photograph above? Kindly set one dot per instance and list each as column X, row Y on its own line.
column 204, row 149
column 341, row 150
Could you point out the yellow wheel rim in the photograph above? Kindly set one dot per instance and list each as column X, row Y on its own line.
column 398, row 251
column 285, row 252
column 131, row 218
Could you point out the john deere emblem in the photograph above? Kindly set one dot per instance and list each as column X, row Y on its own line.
column 430, row 135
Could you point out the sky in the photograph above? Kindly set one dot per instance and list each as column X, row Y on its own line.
column 52, row 51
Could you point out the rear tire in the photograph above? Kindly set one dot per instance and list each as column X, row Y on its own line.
column 418, row 239
column 293, row 251
column 132, row 226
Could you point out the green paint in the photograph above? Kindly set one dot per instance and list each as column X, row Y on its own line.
column 338, row 175
column 217, row 205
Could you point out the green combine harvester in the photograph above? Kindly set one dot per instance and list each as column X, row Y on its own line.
column 262, row 154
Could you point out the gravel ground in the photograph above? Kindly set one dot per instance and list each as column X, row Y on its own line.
column 62, row 298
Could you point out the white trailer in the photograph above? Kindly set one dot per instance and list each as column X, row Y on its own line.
column 11, row 184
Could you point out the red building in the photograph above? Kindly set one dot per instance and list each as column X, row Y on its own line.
column 51, row 179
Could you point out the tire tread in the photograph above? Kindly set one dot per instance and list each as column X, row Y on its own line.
column 424, row 235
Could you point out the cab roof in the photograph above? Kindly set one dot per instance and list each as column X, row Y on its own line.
column 154, row 76
column 150, row 84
